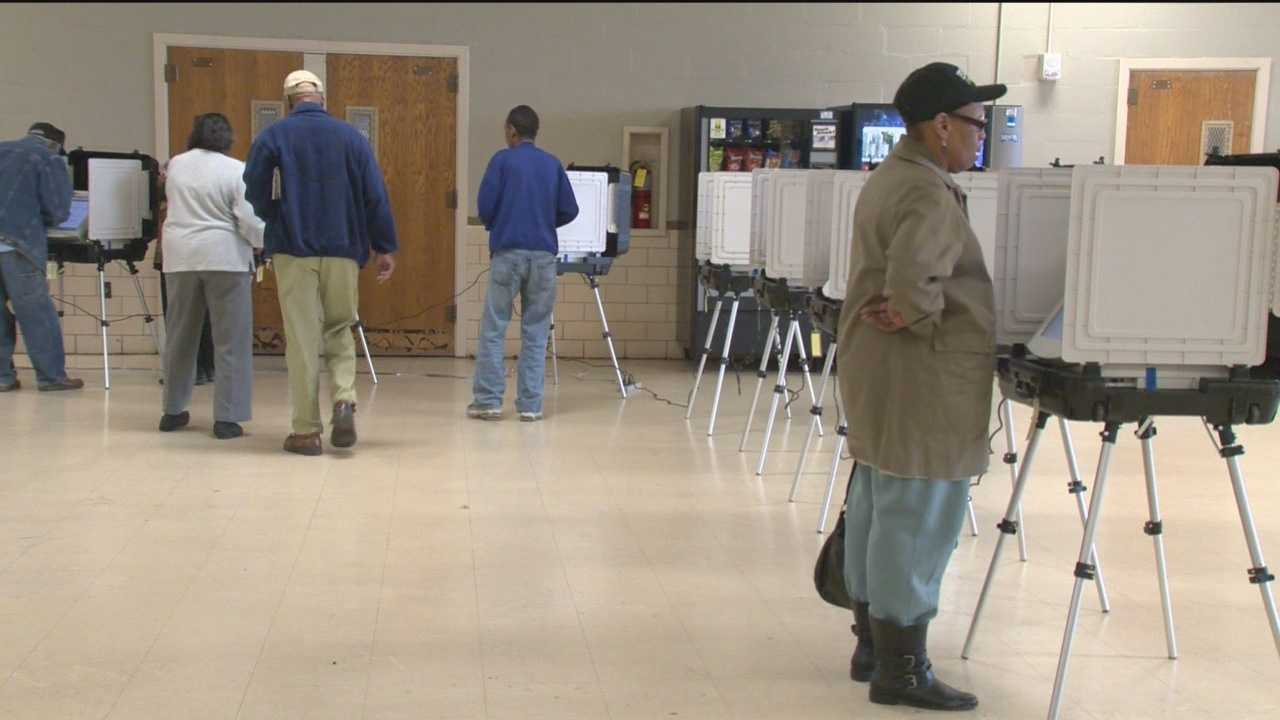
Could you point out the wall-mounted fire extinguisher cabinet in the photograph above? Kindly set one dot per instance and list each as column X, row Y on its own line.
column 644, row 154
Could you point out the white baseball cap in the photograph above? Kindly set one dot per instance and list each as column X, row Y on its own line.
column 297, row 82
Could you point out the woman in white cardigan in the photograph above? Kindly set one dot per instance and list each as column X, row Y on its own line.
column 210, row 236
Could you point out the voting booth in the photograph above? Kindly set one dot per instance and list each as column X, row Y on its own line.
column 115, row 208
column 1127, row 294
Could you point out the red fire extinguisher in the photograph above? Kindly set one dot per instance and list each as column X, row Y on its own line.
column 641, row 196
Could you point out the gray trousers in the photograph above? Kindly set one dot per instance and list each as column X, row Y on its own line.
column 229, row 300
column 899, row 536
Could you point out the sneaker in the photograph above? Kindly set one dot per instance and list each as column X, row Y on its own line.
column 169, row 423
column 227, row 430
column 479, row 413
column 306, row 444
column 530, row 416
column 10, row 387
column 344, row 424
column 63, row 384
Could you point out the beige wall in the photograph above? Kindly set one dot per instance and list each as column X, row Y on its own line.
column 591, row 69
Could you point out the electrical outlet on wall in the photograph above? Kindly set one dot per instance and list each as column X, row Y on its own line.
column 1051, row 66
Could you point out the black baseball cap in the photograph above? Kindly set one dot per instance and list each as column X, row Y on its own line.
column 49, row 132
column 939, row 88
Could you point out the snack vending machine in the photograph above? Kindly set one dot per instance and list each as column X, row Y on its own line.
column 739, row 139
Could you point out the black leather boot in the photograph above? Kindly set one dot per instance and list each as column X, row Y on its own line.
column 863, row 662
column 904, row 675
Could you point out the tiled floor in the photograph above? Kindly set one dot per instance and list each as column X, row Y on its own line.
column 610, row 562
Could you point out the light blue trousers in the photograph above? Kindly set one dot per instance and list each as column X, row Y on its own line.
column 899, row 536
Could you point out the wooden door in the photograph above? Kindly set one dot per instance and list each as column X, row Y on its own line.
column 415, row 101
column 1172, row 113
column 409, row 103
column 204, row 80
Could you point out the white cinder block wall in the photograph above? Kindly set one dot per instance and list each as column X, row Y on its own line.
column 591, row 69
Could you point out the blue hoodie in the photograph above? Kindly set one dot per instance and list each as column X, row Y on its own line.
column 333, row 202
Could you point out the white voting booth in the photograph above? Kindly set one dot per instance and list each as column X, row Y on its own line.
column 1140, row 292
column 603, row 198
column 586, row 234
column 846, row 187
column 1156, row 273
column 723, row 233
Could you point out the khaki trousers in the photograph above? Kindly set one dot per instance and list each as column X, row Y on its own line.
column 318, row 298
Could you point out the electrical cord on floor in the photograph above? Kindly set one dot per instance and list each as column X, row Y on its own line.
column 991, row 438
column 448, row 300
column 627, row 379
column 100, row 319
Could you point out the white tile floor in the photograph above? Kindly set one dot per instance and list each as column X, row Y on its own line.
column 610, row 562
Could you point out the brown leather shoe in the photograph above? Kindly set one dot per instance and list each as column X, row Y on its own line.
column 305, row 444
column 344, row 424
column 63, row 384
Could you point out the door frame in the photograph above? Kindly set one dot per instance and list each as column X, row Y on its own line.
column 313, row 54
column 1261, row 91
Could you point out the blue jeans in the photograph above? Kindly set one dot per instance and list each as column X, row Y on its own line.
column 530, row 274
column 899, row 536
column 23, row 284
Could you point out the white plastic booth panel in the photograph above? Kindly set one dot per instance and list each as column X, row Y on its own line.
column 761, row 181
column 796, row 222
column 724, row 218
column 1169, row 266
column 846, row 187
column 118, row 198
column 1033, row 217
column 586, row 234
column 982, row 191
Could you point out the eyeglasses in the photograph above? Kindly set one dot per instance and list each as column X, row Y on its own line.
column 980, row 124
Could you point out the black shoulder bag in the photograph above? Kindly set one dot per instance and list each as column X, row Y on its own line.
column 828, row 572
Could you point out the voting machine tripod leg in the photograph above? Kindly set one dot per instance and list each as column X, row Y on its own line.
column 724, row 363
column 1258, row 574
column 1155, row 528
column 1084, row 569
column 808, row 381
column 761, row 374
column 364, row 343
column 1007, row 526
column 1011, row 459
column 555, row 359
column 816, row 412
column 842, row 432
column 973, row 518
column 102, row 321
column 777, row 353
column 702, row 356
column 779, row 390
column 608, row 336
column 1077, row 488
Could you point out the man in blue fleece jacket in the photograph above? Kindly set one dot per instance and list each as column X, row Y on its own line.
column 315, row 181
column 524, row 196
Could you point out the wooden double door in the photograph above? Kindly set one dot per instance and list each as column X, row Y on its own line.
column 407, row 106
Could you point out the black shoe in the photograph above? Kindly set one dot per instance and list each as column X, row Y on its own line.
column 169, row 423
column 904, row 675
column 344, row 424
column 863, row 663
column 10, row 387
column 227, row 430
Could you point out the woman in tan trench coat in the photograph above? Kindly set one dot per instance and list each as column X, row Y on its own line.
column 917, row 353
